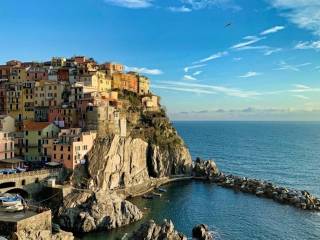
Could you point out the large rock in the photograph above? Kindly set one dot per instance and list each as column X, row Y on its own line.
column 201, row 232
column 207, row 169
column 86, row 212
column 152, row 231
column 42, row 235
column 118, row 162
column 168, row 160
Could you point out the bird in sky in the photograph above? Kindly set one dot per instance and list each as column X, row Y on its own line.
column 228, row 25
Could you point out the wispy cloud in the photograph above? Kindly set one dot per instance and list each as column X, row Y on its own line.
column 270, row 51
column 144, row 70
column 189, row 78
column 303, row 13
column 182, row 89
column 205, row 4
column 301, row 86
column 248, row 40
column 308, row 45
column 236, row 59
column 183, row 9
column 272, row 30
column 234, row 92
column 186, row 69
column 250, row 74
column 130, row 3
column 301, row 97
column 197, row 73
column 212, row 57
column 285, row 66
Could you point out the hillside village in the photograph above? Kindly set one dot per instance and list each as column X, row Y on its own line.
column 51, row 112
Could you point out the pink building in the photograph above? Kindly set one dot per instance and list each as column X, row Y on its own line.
column 6, row 146
column 37, row 73
column 72, row 146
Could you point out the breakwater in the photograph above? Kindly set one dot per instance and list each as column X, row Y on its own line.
column 300, row 199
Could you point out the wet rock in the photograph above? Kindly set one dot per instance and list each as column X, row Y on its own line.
column 201, row 232
column 207, row 169
column 86, row 212
column 152, row 231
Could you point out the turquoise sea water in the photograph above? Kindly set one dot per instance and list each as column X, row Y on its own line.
column 286, row 153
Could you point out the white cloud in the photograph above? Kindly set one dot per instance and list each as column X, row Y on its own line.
column 189, row 78
column 212, row 57
column 285, row 66
column 304, row 13
column 182, row 89
column 272, row 30
column 204, row 4
column 186, row 69
column 144, row 70
column 234, row 92
column 301, row 97
column 250, row 74
column 180, row 9
column 270, row 51
column 308, row 45
column 131, row 3
column 301, row 86
column 236, row 59
column 249, row 40
column 197, row 73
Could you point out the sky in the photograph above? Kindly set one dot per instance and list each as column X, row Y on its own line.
column 207, row 59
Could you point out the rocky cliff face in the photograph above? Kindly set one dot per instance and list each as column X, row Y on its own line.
column 118, row 162
column 154, row 150
column 86, row 212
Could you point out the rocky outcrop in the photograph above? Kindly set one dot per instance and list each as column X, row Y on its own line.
column 296, row 198
column 201, row 232
column 118, row 162
column 86, row 212
column 207, row 169
column 168, row 160
column 152, row 231
column 42, row 235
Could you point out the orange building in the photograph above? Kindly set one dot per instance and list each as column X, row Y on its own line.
column 72, row 146
column 125, row 81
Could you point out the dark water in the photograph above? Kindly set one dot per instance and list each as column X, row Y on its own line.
column 286, row 153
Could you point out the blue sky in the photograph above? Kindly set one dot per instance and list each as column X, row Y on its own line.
column 264, row 66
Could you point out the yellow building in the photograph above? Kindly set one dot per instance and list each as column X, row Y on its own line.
column 97, row 80
column 18, row 74
column 14, row 101
column 28, row 101
column 143, row 85
column 48, row 93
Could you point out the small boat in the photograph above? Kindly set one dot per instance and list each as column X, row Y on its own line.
column 147, row 196
column 156, row 194
column 15, row 208
column 162, row 190
column 10, row 200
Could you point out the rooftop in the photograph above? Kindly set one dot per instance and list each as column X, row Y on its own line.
column 35, row 126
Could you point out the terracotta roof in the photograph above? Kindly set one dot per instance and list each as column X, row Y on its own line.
column 35, row 126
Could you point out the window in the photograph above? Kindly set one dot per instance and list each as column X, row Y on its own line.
column 54, row 156
column 27, row 133
column 39, row 133
column 54, row 147
column 69, row 148
column 61, row 156
column 61, row 148
column 69, row 157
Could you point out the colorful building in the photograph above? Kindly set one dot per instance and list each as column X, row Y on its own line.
column 48, row 94
column 6, row 146
column 7, row 124
column 72, row 146
column 34, row 135
column 64, row 117
column 125, row 81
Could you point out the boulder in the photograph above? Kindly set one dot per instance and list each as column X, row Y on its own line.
column 87, row 212
column 152, row 231
column 207, row 169
column 201, row 232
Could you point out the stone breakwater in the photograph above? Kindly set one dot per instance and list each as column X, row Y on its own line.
column 300, row 199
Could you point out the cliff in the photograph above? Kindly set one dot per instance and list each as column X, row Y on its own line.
column 152, row 149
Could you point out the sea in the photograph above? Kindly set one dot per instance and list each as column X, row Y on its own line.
column 286, row 153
